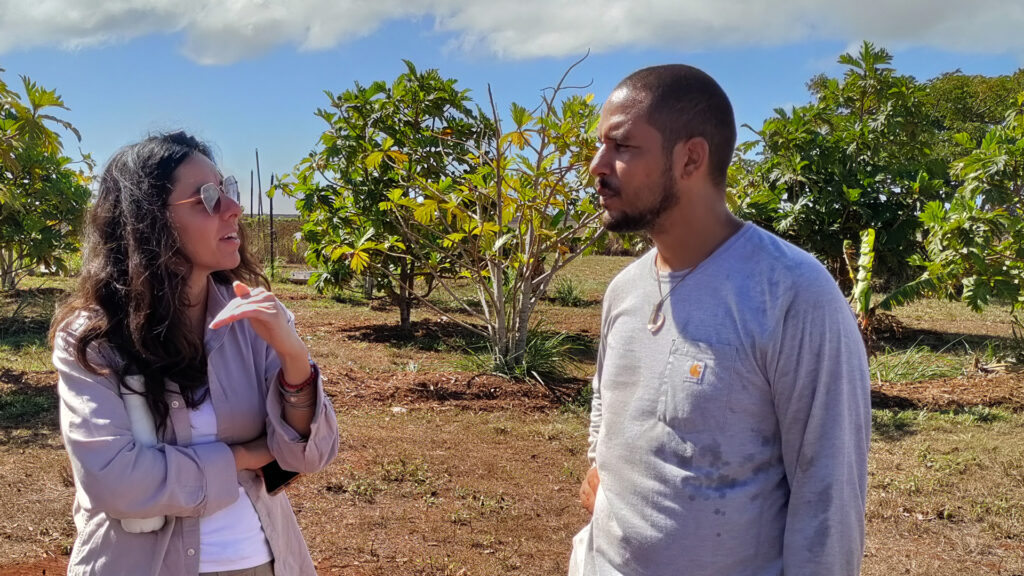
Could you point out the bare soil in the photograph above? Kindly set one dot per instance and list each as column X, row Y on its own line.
column 454, row 472
column 444, row 471
column 1005, row 390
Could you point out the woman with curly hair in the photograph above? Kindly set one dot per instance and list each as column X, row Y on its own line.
column 181, row 377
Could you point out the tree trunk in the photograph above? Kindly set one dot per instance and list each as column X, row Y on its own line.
column 523, row 321
column 7, row 263
column 499, row 338
column 368, row 284
column 406, row 278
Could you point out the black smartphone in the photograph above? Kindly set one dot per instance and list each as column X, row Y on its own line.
column 276, row 478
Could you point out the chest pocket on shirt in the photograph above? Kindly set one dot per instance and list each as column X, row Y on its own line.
column 696, row 386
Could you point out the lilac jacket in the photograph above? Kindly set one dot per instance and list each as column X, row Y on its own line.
column 116, row 478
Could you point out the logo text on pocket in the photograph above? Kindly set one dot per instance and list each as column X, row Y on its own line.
column 697, row 370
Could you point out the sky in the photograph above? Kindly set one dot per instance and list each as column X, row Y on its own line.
column 249, row 74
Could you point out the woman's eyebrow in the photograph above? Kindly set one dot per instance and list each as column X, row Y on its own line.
column 218, row 182
column 197, row 191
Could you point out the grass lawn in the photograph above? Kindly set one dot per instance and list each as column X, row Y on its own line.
column 446, row 472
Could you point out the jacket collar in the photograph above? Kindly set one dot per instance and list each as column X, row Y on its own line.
column 217, row 297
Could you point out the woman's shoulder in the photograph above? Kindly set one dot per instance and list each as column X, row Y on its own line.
column 68, row 332
column 68, row 335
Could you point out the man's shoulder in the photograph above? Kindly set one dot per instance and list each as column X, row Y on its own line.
column 780, row 258
column 628, row 276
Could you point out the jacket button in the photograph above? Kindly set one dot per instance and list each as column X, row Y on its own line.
column 191, row 552
column 175, row 404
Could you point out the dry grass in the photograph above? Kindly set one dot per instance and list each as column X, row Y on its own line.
column 956, row 318
column 946, row 495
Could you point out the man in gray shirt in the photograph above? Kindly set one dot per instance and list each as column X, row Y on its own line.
column 731, row 415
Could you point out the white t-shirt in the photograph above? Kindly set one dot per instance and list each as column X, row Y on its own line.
column 231, row 538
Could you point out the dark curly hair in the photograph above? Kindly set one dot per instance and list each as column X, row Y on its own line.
column 131, row 299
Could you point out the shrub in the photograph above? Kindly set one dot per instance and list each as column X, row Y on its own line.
column 569, row 293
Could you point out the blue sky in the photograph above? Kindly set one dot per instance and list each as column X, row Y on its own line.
column 239, row 82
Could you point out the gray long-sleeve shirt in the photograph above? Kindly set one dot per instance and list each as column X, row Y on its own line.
column 734, row 441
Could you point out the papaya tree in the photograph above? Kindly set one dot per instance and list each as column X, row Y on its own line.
column 42, row 197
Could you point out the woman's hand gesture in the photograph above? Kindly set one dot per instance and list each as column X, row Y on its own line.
column 267, row 317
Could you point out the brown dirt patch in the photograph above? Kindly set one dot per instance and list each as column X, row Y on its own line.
column 48, row 565
column 1005, row 390
column 438, row 491
column 483, row 392
column 21, row 380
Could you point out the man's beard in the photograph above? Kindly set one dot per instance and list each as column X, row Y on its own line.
column 642, row 221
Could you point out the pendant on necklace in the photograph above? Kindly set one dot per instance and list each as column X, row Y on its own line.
column 657, row 319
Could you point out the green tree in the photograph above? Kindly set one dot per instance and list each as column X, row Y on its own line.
column 975, row 242
column 524, row 211
column 969, row 104
column 382, row 140
column 42, row 198
column 857, row 157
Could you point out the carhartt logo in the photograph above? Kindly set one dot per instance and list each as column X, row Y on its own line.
column 696, row 369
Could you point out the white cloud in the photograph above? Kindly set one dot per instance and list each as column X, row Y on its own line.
column 223, row 31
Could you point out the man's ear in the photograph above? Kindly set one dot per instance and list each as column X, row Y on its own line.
column 690, row 157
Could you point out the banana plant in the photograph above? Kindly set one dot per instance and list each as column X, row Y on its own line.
column 861, row 295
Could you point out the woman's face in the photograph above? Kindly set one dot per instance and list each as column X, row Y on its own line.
column 210, row 241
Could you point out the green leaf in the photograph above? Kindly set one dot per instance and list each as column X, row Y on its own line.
column 340, row 252
column 934, row 214
column 520, row 116
column 965, row 140
column 503, row 240
column 865, row 266
column 373, row 159
column 426, row 212
column 360, row 260
column 976, row 293
column 452, row 239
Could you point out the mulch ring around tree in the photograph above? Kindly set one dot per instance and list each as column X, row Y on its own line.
column 1004, row 390
column 354, row 388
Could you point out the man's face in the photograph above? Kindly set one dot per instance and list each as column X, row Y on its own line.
column 634, row 176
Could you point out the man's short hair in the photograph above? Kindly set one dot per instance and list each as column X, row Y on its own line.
column 683, row 102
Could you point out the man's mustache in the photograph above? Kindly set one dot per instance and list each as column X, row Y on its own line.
column 603, row 183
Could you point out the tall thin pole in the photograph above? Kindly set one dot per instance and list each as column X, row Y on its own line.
column 273, row 261
column 251, row 182
column 259, row 188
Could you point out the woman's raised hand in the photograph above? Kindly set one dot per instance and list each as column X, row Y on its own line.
column 267, row 316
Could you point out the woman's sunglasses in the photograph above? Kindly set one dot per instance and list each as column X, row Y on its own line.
column 211, row 195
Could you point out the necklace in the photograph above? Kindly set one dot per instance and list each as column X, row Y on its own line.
column 657, row 319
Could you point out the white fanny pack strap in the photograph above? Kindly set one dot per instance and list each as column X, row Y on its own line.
column 144, row 432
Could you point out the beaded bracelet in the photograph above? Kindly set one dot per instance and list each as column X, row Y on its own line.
column 305, row 406
column 294, row 396
column 314, row 372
